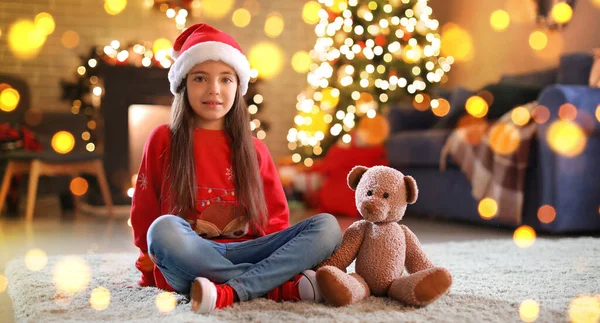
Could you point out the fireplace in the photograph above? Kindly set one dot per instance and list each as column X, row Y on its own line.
column 130, row 92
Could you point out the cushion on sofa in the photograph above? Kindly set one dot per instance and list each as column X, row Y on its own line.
column 508, row 96
column 405, row 117
column 575, row 69
column 416, row 148
column 540, row 79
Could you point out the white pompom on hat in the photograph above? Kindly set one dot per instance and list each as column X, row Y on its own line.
column 202, row 42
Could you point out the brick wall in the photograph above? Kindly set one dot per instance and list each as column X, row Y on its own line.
column 138, row 23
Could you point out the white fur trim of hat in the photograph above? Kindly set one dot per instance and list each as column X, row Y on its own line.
column 200, row 43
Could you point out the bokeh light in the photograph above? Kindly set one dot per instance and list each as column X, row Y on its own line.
column 312, row 122
column 329, row 98
column 477, row 128
column 338, row 6
column 457, row 42
column 165, row 302
column 45, row 22
column 9, row 99
column 63, row 142
column 3, row 283
column 421, row 101
column 567, row 111
column 520, row 116
column 24, row 40
column 241, row 17
column 488, row 208
column 100, row 298
column 274, row 25
column 308, row 162
column 546, row 214
column 373, row 131
column 540, row 114
column 365, row 103
column 215, row 9
column 161, row 44
column 71, row 275
column 267, row 58
column 504, row 138
column 114, row 7
column 301, row 62
column 538, row 40
column 585, row 309
column 562, row 12
column 310, row 12
column 476, row 106
column 566, row 138
column 440, row 107
column 598, row 113
column 524, row 236
column 596, row 3
column 70, row 39
column 529, row 310
column 78, row 186
column 36, row 259
column 499, row 20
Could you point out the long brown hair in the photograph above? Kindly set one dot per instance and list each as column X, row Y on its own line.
column 182, row 170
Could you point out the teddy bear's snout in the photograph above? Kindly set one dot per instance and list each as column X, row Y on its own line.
column 373, row 211
column 370, row 208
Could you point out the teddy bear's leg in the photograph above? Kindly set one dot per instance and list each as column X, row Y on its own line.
column 422, row 287
column 339, row 288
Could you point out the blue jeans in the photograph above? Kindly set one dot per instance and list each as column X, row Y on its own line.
column 251, row 268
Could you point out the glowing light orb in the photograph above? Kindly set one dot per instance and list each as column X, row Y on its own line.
column 529, row 310
column 100, row 298
column 63, row 142
column 499, row 20
column 78, row 186
column 165, row 302
column 267, row 58
column 524, row 236
column 566, row 138
column 36, row 259
column 488, row 208
column 476, row 106
column 71, row 275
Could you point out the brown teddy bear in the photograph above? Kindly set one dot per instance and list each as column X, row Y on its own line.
column 381, row 246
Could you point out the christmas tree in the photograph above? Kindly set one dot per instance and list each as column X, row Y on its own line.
column 367, row 55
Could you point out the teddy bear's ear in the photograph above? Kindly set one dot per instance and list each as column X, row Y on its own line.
column 412, row 191
column 355, row 175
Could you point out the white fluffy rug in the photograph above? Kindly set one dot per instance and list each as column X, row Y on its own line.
column 491, row 279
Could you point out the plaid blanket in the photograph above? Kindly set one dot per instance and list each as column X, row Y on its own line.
column 494, row 159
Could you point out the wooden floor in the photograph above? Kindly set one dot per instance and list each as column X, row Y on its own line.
column 59, row 234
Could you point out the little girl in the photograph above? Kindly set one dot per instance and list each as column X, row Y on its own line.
column 209, row 213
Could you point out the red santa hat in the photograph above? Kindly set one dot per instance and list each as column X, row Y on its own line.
column 202, row 42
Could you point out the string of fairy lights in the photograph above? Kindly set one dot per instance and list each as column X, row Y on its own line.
column 366, row 55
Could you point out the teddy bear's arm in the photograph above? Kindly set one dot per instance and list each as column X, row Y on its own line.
column 416, row 259
column 351, row 242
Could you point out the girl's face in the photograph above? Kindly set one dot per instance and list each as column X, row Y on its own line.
column 211, row 88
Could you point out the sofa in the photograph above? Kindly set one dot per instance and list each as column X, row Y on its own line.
column 570, row 185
